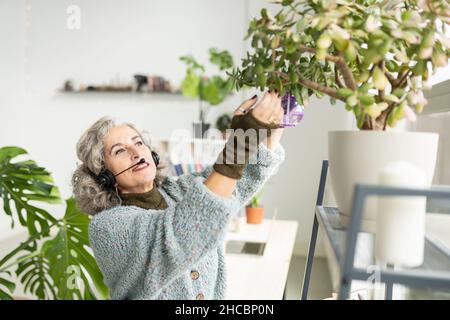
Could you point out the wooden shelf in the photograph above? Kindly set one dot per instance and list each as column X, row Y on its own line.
column 120, row 92
column 122, row 95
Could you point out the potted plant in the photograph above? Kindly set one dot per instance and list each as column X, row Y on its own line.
column 55, row 261
column 375, row 57
column 254, row 210
column 223, row 123
column 209, row 90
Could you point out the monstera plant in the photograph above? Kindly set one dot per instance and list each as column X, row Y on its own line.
column 375, row 56
column 54, row 262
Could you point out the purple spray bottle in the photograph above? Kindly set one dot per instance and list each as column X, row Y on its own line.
column 293, row 111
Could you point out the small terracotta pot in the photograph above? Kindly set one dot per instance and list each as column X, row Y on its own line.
column 254, row 215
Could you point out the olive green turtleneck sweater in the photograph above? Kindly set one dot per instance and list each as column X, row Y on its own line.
column 148, row 200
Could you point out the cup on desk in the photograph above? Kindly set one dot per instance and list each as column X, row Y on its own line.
column 235, row 224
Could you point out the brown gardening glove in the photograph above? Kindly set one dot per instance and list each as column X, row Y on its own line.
column 248, row 132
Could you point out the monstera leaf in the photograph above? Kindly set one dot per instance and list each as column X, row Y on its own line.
column 6, row 285
column 54, row 262
column 33, row 272
column 72, row 267
column 22, row 182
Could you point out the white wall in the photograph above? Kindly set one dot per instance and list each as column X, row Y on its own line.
column 436, row 118
column 117, row 38
column 126, row 37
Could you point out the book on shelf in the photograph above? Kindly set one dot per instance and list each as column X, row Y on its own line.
column 191, row 156
column 185, row 168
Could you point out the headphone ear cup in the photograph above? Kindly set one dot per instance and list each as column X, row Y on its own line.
column 155, row 157
column 106, row 179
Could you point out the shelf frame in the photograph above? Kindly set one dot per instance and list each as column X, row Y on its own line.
column 328, row 218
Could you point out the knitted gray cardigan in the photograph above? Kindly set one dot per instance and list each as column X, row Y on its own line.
column 176, row 253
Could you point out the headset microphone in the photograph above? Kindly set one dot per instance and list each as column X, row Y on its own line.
column 140, row 162
column 107, row 179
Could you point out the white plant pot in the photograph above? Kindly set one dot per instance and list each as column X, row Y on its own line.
column 358, row 156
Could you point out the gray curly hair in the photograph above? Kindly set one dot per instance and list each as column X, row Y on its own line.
column 89, row 196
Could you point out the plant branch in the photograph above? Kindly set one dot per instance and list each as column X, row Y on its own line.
column 386, row 72
column 389, row 76
column 273, row 58
column 282, row 75
column 338, row 79
column 346, row 73
column 328, row 57
column 358, row 61
column 381, row 65
column 381, row 95
column 368, row 123
column 382, row 118
column 402, row 81
column 401, row 77
column 294, row 9
column 314, row 85
column 340, row 63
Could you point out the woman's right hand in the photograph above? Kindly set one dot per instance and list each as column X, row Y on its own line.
column 268, row 110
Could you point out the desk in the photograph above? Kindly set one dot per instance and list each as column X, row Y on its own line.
column 258, row 277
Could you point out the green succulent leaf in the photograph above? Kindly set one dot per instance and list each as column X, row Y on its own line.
column 367, row 99
column 345, row 92
column 367, row 43
column 287, row 2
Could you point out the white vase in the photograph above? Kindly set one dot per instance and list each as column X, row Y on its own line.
column 358, row 156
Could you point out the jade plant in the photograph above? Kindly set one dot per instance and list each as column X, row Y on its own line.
column 210, row 90
column 375, row 56
column 54, row 262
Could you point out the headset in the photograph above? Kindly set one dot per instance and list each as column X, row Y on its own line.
column 107, row 179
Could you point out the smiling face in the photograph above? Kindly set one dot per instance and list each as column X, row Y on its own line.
column 123, row 147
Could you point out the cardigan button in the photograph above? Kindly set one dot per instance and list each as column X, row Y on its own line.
column 200, row 296
column 194, row 275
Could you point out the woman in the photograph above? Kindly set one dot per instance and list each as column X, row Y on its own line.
column 161, row 238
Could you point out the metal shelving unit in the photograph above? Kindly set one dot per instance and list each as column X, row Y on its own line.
column 343, row 243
